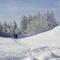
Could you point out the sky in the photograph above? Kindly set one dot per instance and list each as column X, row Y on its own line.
column 13, row 9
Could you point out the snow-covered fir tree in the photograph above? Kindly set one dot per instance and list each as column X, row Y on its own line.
column 23, row 24
column 1, row 28
column 5, row 27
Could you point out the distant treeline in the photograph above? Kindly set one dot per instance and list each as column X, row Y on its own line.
column 29, row 25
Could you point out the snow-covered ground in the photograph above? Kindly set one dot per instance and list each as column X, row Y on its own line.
column 43, row 46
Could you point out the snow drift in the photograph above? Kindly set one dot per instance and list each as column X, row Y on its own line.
column 43, row 46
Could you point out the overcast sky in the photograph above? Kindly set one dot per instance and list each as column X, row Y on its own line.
column 13, row 9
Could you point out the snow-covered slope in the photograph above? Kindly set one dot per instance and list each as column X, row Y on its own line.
column 50, row 38
column 43, row 46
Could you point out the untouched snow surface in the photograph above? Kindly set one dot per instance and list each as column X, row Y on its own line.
column 43, row 46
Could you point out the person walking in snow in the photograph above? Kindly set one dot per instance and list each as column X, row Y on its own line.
column 15, row 35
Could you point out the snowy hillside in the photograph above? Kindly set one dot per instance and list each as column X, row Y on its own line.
column 43, row 46
column 50, row 38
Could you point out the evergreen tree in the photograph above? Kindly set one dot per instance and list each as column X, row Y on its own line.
column 51, row 20
column 23, row 23
column 14, row 27
column 1, row 28
column 5, row 27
